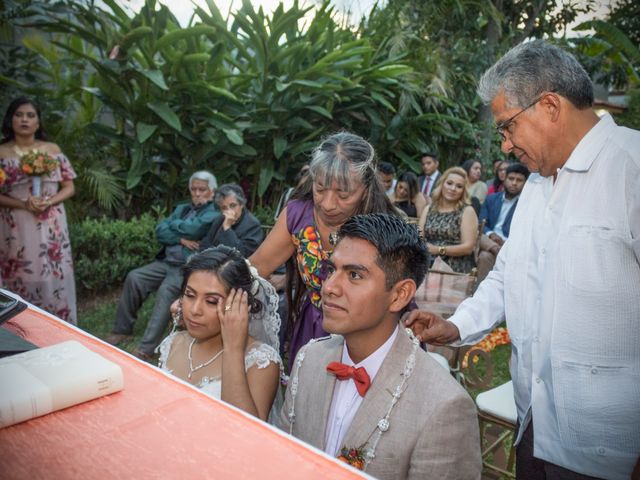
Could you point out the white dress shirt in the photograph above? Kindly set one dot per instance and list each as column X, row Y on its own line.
column 392, row 189
column 568, row 282
column 433, row 179
column 504, row 211
column 346, row 399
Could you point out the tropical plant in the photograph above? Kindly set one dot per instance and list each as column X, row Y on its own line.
column 248, row 97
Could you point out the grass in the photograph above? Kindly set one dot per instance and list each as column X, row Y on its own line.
column 97, row 313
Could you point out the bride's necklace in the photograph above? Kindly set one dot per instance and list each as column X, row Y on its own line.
column 193, row 369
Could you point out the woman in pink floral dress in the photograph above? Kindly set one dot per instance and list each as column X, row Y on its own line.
column 35, row 253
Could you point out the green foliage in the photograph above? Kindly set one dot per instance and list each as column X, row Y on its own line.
column 140, row 103
column 247, row 97
column 631, row 117
column 609, row 55
column 105, row 250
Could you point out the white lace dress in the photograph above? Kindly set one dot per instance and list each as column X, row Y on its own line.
column 258, row 354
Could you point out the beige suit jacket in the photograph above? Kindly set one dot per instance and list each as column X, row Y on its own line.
column 433, row 431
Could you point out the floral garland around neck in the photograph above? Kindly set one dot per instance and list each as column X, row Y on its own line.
column 383, row 424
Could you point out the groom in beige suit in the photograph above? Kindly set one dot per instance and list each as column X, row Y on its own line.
column 368, row 392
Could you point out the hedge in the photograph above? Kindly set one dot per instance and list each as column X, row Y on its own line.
column 105, row 250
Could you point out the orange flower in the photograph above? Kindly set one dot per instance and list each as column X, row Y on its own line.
column 312, row 248
column 310, row 234
column 27, row 169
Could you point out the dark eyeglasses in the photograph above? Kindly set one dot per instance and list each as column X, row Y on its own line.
column 504, row 126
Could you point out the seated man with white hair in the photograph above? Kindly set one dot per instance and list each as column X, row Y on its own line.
column 179, row 234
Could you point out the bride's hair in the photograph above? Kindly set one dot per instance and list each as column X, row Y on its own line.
column 229, row 266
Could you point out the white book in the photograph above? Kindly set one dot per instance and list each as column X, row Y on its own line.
column 48, row 379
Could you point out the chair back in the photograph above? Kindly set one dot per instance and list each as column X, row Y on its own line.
column 442, row 292
column 476, row 248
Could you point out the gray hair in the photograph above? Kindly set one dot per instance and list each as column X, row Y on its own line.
column 230, row 189
column 208, row 177
column 531, row 68
column 342, row 157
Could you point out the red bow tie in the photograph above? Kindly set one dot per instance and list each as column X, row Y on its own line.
column 359, row 375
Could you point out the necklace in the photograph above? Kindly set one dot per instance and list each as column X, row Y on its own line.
column 384, row 423
column 22, row 152
column 202, row 365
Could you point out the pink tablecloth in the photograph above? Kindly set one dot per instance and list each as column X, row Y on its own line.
column 155, row 428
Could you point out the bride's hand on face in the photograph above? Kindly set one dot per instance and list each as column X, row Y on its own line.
column 234, row 321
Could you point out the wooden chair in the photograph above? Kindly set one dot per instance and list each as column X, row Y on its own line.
column 476, row 248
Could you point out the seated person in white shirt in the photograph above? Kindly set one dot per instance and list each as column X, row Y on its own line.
column 497, row 212
column 368, row 394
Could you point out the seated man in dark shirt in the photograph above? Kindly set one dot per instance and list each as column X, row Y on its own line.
column 237, row 227
column 179, row 235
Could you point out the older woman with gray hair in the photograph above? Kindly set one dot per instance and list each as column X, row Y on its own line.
column 237, row 227
column 341, row 183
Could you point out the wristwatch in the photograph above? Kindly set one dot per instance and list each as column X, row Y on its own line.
column 442, row 251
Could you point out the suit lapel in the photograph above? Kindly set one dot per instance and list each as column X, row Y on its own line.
column 378, row 398
column 324, row 386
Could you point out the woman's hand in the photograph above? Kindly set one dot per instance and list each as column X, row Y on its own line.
column 234, row 321
column 230, row 218
column 433, row 250
column 36, row 205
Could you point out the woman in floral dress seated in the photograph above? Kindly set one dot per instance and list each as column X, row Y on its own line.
column 229, row 347
column 35, row 251
column 450, row 224
column 341, row 183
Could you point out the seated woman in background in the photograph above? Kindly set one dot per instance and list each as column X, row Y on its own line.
column 450, row 224
column 477, row 188
column 497, row 185
column 407, row 197
column 229, row 348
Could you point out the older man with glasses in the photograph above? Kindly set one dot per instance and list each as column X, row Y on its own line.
column 568, row 277
column 179, row 236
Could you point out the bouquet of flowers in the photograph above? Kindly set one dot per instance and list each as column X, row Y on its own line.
column 35, row 164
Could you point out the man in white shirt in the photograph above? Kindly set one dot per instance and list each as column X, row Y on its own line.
column 430, row 172
column 368, row 394
column 497, row 213
column 568, row 278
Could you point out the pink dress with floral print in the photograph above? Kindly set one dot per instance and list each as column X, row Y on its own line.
column 35, row 253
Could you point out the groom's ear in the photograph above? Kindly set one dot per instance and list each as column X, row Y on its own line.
column 402, row 293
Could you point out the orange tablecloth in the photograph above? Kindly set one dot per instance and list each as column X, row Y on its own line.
column 155, row 428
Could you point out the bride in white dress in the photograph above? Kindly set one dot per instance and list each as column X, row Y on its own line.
column 229, row 347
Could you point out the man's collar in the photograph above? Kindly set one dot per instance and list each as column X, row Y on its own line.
column 590, row 145
column 198, row 207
